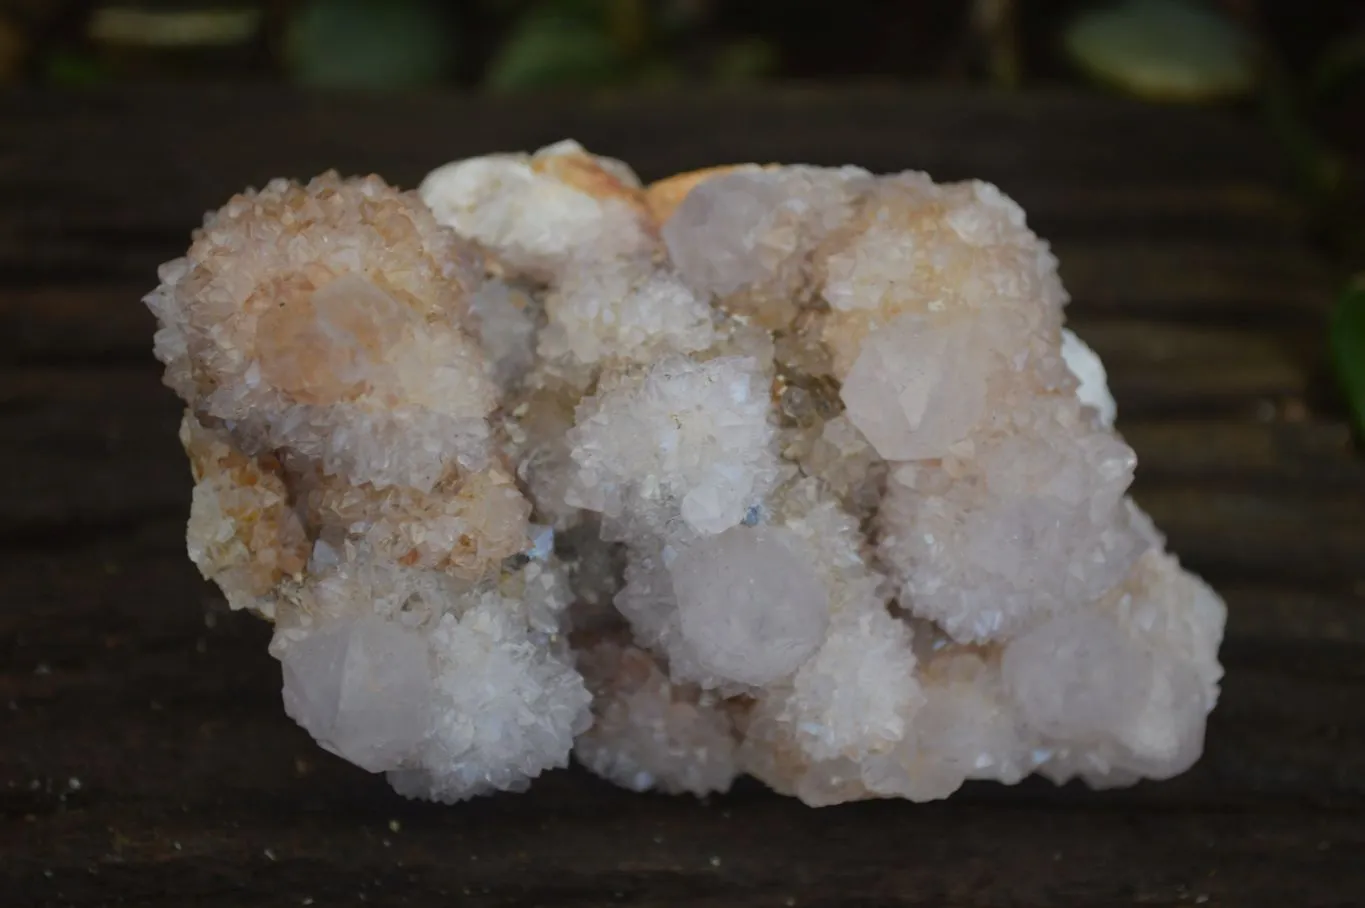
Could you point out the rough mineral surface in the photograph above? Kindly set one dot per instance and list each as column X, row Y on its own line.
column 786, row 471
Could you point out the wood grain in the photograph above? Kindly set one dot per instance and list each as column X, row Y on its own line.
column 144, row 757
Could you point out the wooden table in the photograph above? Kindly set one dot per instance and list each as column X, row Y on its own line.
column 144, row 755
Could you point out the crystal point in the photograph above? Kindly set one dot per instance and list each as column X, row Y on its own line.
column 362, row 688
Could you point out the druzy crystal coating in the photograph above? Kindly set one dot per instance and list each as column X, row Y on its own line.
column 780, row 470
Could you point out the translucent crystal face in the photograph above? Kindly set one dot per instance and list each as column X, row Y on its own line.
column 787, row 471
column 361, row 687
column 916, row 388
column 749, row 606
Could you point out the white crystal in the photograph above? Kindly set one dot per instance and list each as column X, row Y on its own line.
column 749, row 605
column 1085, row 364
column 746, row 226
column 765, row 470
column 859, row 693
column 916, row 389
column 533, row 220
column 506, row 707
column 634, row 312
column 1029, row 526
column 362, row 688
column 507, row 331
column 686, row 437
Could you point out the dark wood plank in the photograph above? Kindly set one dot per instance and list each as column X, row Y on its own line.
column 1299, row 456
column 77, row 324
column 86, row 447
column 1161, row 368
column 1084, row 167
column 1175, row 277
column 1241, row 532
column 1064, row 139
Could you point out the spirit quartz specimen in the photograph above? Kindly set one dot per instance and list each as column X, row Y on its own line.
column 786, row 471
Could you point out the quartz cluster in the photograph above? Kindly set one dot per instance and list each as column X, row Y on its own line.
column 786, row 471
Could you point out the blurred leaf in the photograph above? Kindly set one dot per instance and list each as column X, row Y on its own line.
column 1164, row 50
column 73, row 70
column 173, row 28
column 556, row 46
column 747, row 60
column 368, row 44
column 1348, row 347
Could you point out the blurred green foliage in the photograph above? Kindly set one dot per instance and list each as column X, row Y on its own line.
column 564, row 44
column 561, row 44
column 369, row 44
column 502, row 45
column 1165, row 50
